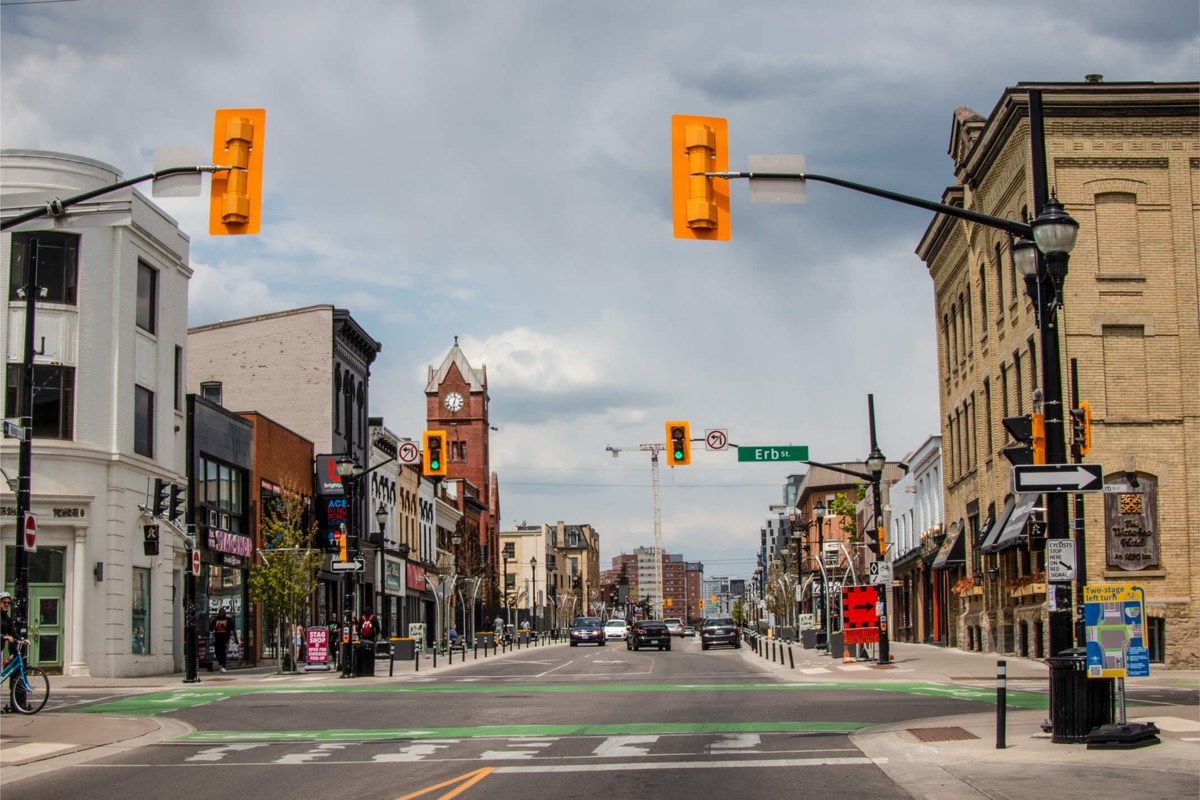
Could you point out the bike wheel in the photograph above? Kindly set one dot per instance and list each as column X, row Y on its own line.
column 30, row 693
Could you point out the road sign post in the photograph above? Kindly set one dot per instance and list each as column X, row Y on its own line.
column 1060, row 560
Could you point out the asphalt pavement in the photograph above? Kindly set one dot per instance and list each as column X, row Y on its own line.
column 942, row 757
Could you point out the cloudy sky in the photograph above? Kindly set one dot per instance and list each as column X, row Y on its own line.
column 498, row 171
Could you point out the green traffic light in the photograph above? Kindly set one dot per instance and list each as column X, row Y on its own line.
column 678, row 455
column 435, row 465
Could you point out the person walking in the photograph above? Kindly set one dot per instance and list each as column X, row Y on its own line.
column 10, row 634
column 223, row 629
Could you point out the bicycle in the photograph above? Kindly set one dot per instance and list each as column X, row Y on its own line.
column 29, row 687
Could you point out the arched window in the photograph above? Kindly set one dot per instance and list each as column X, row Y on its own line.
column 983, row 296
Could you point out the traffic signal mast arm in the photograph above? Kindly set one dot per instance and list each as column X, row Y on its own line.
column 1018, row 229
column 57, row 207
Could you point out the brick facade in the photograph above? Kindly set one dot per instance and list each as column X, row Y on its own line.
column 1124, row 160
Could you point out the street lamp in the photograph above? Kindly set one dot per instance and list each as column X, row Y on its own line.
column 381, row 517
column 533, row 597
column 823, row 608
column 875, row 464
column 456, row 540
column 349, row 471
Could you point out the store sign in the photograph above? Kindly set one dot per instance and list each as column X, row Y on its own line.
column 393, row 575
column 317, row 641
column 1131, row 524
column 230, row 543
column 416, row 576
column 328, row 480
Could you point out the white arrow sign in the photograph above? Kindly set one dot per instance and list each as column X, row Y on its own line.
column 357, row 565
column 1036, row 478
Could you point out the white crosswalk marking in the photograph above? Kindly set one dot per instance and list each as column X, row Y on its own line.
column 623, row 746
column 323, row 750
column 417, row 750
column 736, row 741
column 522, row 749
column 218, row 753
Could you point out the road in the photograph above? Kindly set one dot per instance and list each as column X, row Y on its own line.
column 549, row 721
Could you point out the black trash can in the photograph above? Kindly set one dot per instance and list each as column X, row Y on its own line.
column 364, row 659
column 1077, row 703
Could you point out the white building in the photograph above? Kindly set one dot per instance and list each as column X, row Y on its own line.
column 108, row 414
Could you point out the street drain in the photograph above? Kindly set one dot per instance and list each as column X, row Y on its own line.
column 951, row 734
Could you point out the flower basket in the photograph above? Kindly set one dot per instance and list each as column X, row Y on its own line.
column 966, row 586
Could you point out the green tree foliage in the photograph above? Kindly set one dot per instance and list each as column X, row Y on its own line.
column 285, row 576
column 847, row 509
column 739, row 612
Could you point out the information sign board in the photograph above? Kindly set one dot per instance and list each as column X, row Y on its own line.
column 1114, row 618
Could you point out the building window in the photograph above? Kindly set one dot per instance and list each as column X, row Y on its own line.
column 1156, row 636
column 1119, row 245
column 987, row 413
column 1033, row 370
column 1004, row 406
column 57, row 265
column 178, row 378
column 212, row 391
column 140, row 615
column 53, row 399
column 983, row 295
column 147, row 297
column 999, row 284
column 143, row 421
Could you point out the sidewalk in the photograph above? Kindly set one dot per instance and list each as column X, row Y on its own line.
column 956, row 757
column 963, row 763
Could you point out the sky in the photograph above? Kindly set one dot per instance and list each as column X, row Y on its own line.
column 499, row 172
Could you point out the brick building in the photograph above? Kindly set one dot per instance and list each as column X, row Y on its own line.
column 1124, row 159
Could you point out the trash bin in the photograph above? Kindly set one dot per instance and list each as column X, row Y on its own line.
column 808, row 638
column 1077, row 703
column 364, row 659
column 836, row 645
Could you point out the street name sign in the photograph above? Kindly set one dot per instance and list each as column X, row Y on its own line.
column 1038, row 478
column 14, row 430
column 786, row 452
column 357, row 565
column 1060, row 560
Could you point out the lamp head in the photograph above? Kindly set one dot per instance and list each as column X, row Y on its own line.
column 876, row 462
column 347, row 467
column 1055, row 230
column 381, row 515
column 1024, row 254
column 819, row 509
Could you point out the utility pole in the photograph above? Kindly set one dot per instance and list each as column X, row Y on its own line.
column 653, row 449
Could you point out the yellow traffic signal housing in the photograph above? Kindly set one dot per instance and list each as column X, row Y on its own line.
column 433, row 453
column 235, row 202
column 343, row 545
column 699, row 205
column 1081, row 427
column 1039, row 438
column 679, row 443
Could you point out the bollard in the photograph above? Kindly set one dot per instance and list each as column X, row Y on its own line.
column 1001, row 702
column 450, row 654
column 435, row 657
column 791, row 657
column 477, row 650
column 416, row 660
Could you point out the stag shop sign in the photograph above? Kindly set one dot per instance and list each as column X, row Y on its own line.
column 1131, row 524
column 234, row 547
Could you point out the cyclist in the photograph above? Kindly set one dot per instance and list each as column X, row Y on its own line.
column 8, row 629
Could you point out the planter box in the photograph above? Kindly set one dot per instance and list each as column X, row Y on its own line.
column 1029, row 590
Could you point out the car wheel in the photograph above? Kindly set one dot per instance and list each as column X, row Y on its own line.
column 704, row 645
column 603, row 643
column 737, row 645
column 636, row 646
column 668, row 647
column 574, row 643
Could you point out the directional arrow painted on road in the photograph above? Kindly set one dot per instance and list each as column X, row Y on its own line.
column 1037, row 478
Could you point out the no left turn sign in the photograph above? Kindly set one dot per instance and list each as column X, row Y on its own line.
column 408, row 453
column 716, row 439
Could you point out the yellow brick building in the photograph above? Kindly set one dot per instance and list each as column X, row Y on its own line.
column 1124, row 159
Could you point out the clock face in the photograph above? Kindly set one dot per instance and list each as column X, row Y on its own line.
column 454, row 402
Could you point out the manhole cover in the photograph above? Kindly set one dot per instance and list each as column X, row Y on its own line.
column 951, row 734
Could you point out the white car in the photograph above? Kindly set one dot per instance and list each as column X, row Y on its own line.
column 615, row 629
column 674, row 626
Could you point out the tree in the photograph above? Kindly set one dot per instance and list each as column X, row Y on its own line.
column 285, row 577
column 739, row 612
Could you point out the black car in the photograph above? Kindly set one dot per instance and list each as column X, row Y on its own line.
column 587, row 630
column 648, row 633
column 719, row 630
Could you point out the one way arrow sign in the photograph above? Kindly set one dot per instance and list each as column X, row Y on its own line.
column 1038, row 478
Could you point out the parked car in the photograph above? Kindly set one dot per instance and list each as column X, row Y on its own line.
column 719, row 630
column 615, row 629
column 674, row 625
column 648, row 633
column 587, row 630
column 688, row 630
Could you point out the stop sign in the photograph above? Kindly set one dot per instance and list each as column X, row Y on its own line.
column 195, row 562
column 30, row 532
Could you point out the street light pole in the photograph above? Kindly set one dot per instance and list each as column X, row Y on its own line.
column 876, row 463
column 823, row 608
column 533, row 597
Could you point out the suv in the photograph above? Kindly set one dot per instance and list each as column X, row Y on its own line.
column 587, row 629
column 648, row 633
column 674, row 625
column 719, row 630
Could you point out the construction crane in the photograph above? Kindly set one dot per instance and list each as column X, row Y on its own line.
column 653, row 450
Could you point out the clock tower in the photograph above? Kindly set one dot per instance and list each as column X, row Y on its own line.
column 456, row 401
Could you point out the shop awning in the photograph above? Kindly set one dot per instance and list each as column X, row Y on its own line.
column 1014, row 523
column 991, row 535
column 953, row 550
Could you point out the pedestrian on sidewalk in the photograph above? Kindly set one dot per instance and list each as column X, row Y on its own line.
column 223, row 629
column 8, row 630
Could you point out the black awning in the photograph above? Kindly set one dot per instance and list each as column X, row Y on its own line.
column 911, row 558
column 953, row 550
column 993, row 533
column 1014, row 524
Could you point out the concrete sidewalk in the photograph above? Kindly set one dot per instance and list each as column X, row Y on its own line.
column 964, row 762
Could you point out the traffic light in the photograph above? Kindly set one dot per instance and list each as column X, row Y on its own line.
column 235, row 201
column 162, row 491
column 1021, row 429
column 679, row 443
column 1081, row 428
column 1038, row 426
column 150, row 540
column 433, row 449
column 699, row 205
column 343, row 545
column 178, row 498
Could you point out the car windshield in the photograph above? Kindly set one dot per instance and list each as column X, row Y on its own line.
column 615, row 623
column 587, row 622
column 720, row 621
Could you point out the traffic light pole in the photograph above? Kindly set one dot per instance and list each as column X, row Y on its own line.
column 25, row 451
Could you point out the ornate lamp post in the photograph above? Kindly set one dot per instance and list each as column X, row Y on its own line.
column 533, row 596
